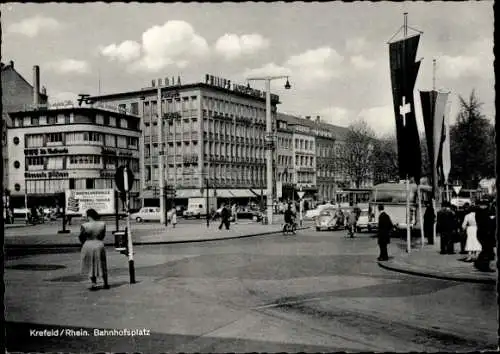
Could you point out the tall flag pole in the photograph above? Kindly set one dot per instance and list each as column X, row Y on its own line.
column 404, row 71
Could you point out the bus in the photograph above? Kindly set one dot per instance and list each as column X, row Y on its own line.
column 393, row 197
column 353, row 196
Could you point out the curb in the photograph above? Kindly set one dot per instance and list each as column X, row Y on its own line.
column 435, row 275
column 75, row 245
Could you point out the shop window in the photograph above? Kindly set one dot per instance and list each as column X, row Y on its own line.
column 89, row 183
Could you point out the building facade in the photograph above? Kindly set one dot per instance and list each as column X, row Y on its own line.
column 317, row 148
column 17, row 92
column 213, row 133
column 55, row 148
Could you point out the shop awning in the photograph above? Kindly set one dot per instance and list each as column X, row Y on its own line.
column 242, row 193
column 188, row 193
column 224, row 193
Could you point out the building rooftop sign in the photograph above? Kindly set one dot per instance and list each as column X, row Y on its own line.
column 226, row 84
column 83, row 104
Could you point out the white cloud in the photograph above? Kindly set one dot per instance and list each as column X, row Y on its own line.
column 459, row 66
column 380, row 119
column 355, row 45
column 69, row 66
column 124, row 52
column 32, row 26
column 232, row 46
column 173, row 43
column 270, row 69
column 336, row 115
column 360, row 62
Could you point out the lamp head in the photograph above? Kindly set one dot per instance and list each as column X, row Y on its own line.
column 287, row 85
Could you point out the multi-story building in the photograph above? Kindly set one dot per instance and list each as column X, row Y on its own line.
column 58, row 147
column 316, row 148
column 212, row 131
column 16, row 93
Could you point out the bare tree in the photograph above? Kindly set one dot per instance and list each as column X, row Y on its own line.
column 358, row 156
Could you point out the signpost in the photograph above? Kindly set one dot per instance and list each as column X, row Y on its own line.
column 457, row 189
column 124, row 180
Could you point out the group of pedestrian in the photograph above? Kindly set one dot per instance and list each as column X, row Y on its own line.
column 473, row 227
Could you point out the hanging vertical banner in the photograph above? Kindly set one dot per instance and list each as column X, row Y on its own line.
column 404, row 71
column 446, row 154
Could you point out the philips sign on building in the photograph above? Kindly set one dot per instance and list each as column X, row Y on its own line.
column 59, row 147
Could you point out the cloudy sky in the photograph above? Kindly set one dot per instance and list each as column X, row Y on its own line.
column 335, row 53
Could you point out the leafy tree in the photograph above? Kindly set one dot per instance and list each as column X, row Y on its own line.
column 385, row 159
column 358, row 156
column 472, row 144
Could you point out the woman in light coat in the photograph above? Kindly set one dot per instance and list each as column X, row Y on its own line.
column 173, row 218
column 93, row 254
column 472, row 245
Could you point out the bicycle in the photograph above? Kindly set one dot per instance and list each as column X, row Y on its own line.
column 290, row 228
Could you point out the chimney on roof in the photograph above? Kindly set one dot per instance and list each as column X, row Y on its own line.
column 11, row 64
column 318, row 118
column 166, row 82
column 159, row 82
column 153, row 83
column 308, row 117
column 178, row 80
column 36, row 85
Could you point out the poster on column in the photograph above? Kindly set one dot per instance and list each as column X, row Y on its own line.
column 78, row 201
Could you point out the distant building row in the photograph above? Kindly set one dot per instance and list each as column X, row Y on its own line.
column 211, row 130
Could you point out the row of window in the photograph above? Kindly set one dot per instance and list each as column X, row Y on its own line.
column 238, row 109
column 304, row 144
column 59, row 185
column 77, row 161
column 76, row 138
column 98, row 118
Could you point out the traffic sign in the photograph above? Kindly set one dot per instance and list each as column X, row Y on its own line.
column 457, row 189
column 124, row 179
column 301, row 194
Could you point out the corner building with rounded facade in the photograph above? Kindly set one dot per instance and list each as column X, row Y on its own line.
column 59, row 148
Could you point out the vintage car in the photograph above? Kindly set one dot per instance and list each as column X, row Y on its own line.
column 328, row 220
column 365, row 222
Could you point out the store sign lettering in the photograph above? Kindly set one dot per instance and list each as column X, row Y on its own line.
column 45, row 175
column 226, row 84
column 50, row 151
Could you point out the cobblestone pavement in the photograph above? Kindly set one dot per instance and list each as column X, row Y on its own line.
column 313, row 292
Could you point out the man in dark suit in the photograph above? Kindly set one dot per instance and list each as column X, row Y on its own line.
column 384, row 233
column 486, row 226
column 446, row 226
column 225, row 215
column 429, row 219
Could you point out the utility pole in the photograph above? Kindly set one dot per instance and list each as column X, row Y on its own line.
column 160, row 157
column 269, row 140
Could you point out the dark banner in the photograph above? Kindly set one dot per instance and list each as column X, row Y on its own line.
column 404, row 71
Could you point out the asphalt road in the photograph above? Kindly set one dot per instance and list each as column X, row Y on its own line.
column 312, row 292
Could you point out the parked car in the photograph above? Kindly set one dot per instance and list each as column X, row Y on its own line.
column 20, row 212
column 327, row 220
column 147, row 214
column 314, row 213
column 365, row 222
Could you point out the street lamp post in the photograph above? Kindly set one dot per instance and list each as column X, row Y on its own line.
column 269, row 140
column 160, row 157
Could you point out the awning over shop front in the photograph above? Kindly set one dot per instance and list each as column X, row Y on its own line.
column 188, row 193
column 242, row 193
column 224, row 193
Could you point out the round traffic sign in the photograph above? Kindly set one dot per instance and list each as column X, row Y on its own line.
column 124, row 179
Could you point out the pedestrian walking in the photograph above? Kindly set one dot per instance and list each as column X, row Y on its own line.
column 429, row 220
column 446, row 227
column 173, row 218
column 472, row 245
column 224, row 217
column 385, row 227
column 486, row 225
column 234, row 212
column 93, row 253
column 461, row 217
column 351, row 223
